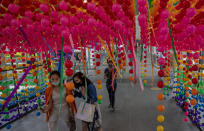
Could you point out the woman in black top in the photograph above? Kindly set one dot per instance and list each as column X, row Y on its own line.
column 111, row 86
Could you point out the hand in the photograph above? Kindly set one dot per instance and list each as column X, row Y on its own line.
column 45, row 108
column 83, row 90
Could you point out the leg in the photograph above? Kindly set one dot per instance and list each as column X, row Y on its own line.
column 113, row 95
column 52, row 125
column 71, row 124
column 84, row 126
column 109, row 93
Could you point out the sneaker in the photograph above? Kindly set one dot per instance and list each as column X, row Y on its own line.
column 113, row 109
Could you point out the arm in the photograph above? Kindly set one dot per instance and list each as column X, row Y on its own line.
column 92, row 93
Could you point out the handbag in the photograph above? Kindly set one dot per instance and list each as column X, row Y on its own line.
column 86, row 114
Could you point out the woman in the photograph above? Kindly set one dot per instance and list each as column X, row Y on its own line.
column 80, row 80
column 52, row 103
column 111, row 83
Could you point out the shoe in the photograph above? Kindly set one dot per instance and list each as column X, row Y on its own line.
column 109, row 106
column 113, row 109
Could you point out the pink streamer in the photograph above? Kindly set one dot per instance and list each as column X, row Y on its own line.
column 137, row 67
column 72, row 44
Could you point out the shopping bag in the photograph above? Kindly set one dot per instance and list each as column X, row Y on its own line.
column 86, row 114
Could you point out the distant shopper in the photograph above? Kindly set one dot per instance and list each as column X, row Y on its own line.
column 111, row 83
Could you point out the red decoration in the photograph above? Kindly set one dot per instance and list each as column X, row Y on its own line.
column 130, row 64
column 98, row 56
column 189, row 76
column 48, row 62
column 195, row 68
column 98, row 63
column 161, row 73
column 194, row 81
column 69, row 64
column 131, row 71
column 160, row 84
column 49, row 69
column 69, row 72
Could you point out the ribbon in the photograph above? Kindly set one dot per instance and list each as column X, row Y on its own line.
column 140, row 80
column 134, row 58
column 172, row 40
column 82, row 54
column 141, row 50
column 16, row 87
column 72, row 44
column 109, row 55
column 53, row 53
column 137, row 67
column 61, row 74
column 59, row 63
column 26, row 38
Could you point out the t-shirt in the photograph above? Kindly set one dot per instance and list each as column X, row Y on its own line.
column 109, row 73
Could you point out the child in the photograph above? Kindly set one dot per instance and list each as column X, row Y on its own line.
column 52, row 101
column 111, row 83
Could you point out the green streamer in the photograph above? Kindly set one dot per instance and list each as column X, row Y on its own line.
column 86, row 95
column 172, row 40
column 61, row 74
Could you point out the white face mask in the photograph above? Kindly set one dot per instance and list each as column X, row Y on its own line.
column 55, row 83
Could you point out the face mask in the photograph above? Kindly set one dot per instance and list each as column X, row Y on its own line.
column 110, row 66
column 55, row 83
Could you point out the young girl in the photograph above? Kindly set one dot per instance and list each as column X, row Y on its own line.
column 79, row 82
column 52, row 103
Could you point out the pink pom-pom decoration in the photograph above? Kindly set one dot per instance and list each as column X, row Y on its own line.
column 64, row 20
column 63, row 5
column 186, row 119
column 200, row 28
column 186, row 113
column 142, row 20
column 54, row 14
column 161, row 61
column 165, row 14
column 190, row 12
column 160, row 49
column 44, row 8
column 67, row 49
column 117, row 24
column 91, row 21
column 164, row 31
column 45, row 22
column 130, row 56
column 116, row 8
column 13, row 8
column 15, row 22
column 65, row 33
column 29, row 14
column 91, row 7
column 190, row 29
column 141, row 2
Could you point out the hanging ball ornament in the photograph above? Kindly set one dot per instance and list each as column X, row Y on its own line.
column 160, row 118
column 70, row 98
column 160, row 128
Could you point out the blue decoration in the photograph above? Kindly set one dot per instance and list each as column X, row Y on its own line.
column 8, row 126
column 38, row 114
